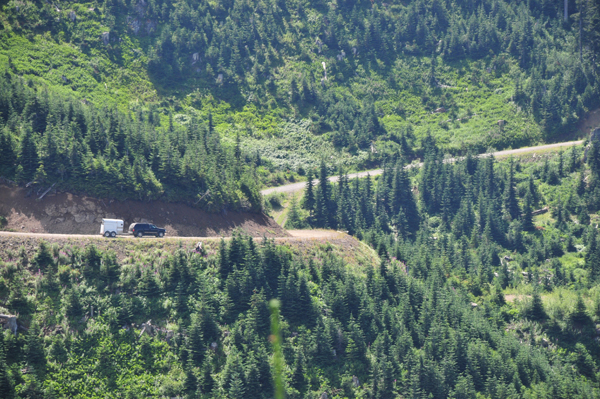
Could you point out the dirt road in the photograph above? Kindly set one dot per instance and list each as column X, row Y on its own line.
column 295, row 235
column 268, row 228
column 290, row 188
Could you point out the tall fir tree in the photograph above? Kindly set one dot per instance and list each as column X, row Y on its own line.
column 323, row 216
column 308, row 201
column 511, row 205
column 6, row 388
column 527, row 214
column 8, row 156
column 28, row 156
column 34, row 349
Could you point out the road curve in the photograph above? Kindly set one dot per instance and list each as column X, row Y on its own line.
column 290, row 188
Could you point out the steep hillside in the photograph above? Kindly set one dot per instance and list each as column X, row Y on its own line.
column 138, row 318
column 362, row 78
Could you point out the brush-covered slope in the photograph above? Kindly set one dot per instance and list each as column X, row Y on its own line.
column 160, row 319
column 355, row 77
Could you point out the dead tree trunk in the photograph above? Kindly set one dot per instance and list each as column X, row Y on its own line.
column 46, row 192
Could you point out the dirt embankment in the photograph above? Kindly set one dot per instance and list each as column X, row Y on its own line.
column 64, row 213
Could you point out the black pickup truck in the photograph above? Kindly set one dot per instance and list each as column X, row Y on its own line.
column 146, row 229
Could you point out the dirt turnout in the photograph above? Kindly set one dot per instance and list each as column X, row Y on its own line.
column 65, row 213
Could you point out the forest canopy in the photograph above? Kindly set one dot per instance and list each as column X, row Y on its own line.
column 465, row 291
column 364, row 74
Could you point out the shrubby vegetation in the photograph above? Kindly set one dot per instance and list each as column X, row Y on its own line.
column 296, row 149
column 477, row 291
column 107, row 153
column 363, row 75
column 471, row 294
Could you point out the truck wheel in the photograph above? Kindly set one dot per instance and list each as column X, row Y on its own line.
column 107, row 234
column 161, row 234
column 139, row 234
column 113, row 234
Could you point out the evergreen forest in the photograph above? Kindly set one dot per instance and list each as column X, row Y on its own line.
column 465, row 289
column 125, row 91
column 465, row 277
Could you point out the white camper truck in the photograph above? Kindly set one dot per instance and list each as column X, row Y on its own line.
column 111, row 227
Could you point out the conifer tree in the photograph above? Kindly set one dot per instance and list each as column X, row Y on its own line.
column 592, row 257
column 527, row 216
column 573, row 160
column 323, row 199
column 190, row 382
column 403, row 204
column 195, row 344
column 8, row 155
column 536, row 310
column 308, row 201
column 224, row 265
column 43, row 258
column 583, row 217
column 148, row 286
column 532, row 190
column 237, row 388
column 581, row 184
column 560, row 215
column 560, row 164
column 294, row 220
column 110, row 270
column 237, row 250
column 297, row 378
column 366, row 204
column 579, row 317
column 28, row 156
column 125, row 315
column 181, row 298
column 74, row 307
column 511, row 204
column 34, row 349
column 584, row 361
column 92, row 260
column 206, row 381
column 343, row 219
column 6, row 388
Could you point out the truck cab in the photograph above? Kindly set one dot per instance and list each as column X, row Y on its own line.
column 145, row 229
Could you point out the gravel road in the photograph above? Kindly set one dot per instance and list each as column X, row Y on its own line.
column 296, row 235
column 290, row 188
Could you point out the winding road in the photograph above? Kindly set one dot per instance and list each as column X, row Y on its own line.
column 290, row 188
column 301, row 235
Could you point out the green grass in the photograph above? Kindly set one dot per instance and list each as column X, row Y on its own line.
column 474, row 109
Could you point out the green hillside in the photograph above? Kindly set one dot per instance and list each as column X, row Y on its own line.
column 462, row 296
column 473, row 279
column 362, row 79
